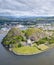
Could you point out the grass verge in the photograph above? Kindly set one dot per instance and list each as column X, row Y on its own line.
column 26, row 50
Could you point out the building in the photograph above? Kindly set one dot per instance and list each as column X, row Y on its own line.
column 45, row 26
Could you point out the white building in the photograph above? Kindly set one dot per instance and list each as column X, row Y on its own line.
column 5, row 29
column 45, row 26
column 19, row 26
column 29, row 42
column 22, row 27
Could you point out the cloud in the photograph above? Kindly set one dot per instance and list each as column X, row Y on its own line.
column 27, row 7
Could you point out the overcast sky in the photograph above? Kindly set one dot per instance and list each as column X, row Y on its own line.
column 27, row 7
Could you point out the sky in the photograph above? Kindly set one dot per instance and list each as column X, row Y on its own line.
column 27, row 7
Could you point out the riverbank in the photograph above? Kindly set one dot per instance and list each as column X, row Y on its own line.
column 18, row 54
column 29, row 50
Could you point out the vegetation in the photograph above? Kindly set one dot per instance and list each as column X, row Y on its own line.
column 19, row 45
column 35, row 33
column 18, row 40
column 14, row 36
column 43, row 47
column 51, row 40
column 42, row 41
column 26, row 50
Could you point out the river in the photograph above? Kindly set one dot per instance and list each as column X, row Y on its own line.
column 8, row 58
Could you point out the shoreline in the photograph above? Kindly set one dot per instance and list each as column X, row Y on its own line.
column 19, row 54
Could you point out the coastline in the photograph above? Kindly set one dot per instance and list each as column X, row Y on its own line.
column 19, row 54
column 40, row 50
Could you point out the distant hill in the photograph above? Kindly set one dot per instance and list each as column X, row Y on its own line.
column 26, row 20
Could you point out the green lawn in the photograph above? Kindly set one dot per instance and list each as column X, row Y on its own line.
column 26, row 50
column 43, row 47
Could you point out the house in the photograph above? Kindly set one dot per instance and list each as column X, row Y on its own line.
column 29, row 42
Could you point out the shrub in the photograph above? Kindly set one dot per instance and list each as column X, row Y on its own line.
column 34, row 45
column 19, row 45
column 42, row 41
column 51, row 41
column 32, row 31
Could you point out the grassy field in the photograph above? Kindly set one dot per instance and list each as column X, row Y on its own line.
column 43, row 47
column 26, row 50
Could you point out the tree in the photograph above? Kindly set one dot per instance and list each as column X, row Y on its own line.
column 14, row 35
column 19, row 45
